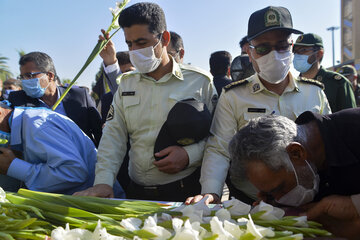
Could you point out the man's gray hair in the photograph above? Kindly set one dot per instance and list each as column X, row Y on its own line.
column 263, row 139
column 42, row 61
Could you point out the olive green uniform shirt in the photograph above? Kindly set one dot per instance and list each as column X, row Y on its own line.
column 236, row 106
column 338, row 89
column 139, row 109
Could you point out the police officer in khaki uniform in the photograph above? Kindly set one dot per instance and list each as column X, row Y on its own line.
column 349, row 71
column 308, row 54
column 140, row 108
column 271, row 90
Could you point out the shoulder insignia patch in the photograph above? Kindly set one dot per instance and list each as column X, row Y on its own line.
column 312, row 81
column 110, row 114
column 235, row 84
column 337, row 77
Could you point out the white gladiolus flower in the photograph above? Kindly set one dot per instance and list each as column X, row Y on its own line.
column 177, row 224
column 237, row 207
column 301, row 221
column 101, row 234
column 131, row 224
column 251, row 228
column 151, row 226
column 223, row 214
column 3, row 195
column 258, row 231
column 202, row 231
column 233, row 229
column 73, row 234
column 187, row 232
column 271, row 212
column 217, row 228
column 242, row 221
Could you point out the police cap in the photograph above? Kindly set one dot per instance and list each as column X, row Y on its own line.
column 270, row 18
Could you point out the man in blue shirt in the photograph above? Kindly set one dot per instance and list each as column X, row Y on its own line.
column 57, row 156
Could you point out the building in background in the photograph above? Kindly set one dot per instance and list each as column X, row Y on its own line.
column 350, row 33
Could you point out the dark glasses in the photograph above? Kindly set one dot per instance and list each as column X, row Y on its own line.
column 263, row 49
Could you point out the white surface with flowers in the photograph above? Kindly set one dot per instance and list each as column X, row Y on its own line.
column 221, row 224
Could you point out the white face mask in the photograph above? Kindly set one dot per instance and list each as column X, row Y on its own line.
column 144, row 59
column 274, row 66
column 300, row 195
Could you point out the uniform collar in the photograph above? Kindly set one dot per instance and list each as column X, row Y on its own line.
column 256, row 85
column 176, row 72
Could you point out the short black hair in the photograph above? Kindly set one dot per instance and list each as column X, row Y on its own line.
column 176, row 41
column 243, row 41
column 220, row 62
column 123, row 57
column 145, row 13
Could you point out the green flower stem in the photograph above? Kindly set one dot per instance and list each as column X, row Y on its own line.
column 98, row 48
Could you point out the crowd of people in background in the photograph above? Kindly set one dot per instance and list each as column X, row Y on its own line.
column 159, row 129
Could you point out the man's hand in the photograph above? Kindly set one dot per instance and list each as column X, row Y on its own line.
column 176, row 159
column 99, row 190
column 108, row 54
column 6, row 158
column 212, row 198
column 338, row 215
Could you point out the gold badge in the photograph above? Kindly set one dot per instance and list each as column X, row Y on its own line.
column 256, row 87
column 337, row 77
column 272, row 18
column 185, row 141
column 300, row 38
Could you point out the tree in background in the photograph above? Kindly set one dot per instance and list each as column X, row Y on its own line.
column 21, row 53
column 5, row 72
column 66, row 81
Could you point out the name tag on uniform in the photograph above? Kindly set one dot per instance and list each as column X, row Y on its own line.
column 128, row 93
column 256, row 110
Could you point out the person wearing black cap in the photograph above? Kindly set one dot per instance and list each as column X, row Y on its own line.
column 147, row 99
column 308, row 54
column 349, row 71
column 271, row 90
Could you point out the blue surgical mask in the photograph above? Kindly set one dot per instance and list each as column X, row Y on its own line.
column 6, row 93
column 301, row 62
column 33, row 88
column 4, row 139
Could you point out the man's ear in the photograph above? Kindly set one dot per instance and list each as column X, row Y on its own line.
column 51, row 76
column 181, row 53
column 320, row 54
column 297, row 153
column 165, row 40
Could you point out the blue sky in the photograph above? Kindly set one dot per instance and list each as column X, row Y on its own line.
column 67, row 30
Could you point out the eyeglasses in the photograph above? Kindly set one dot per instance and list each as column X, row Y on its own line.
column 301, row 51
column 28, row 75
column 263, row 49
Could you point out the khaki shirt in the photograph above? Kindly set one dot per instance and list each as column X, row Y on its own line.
column 242, row 103
column 139, row 109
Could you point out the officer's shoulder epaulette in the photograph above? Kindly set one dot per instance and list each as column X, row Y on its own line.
column 337, row 76
column 235, row 84
column 312, row 81
column 127, row 75
column 196, row 69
